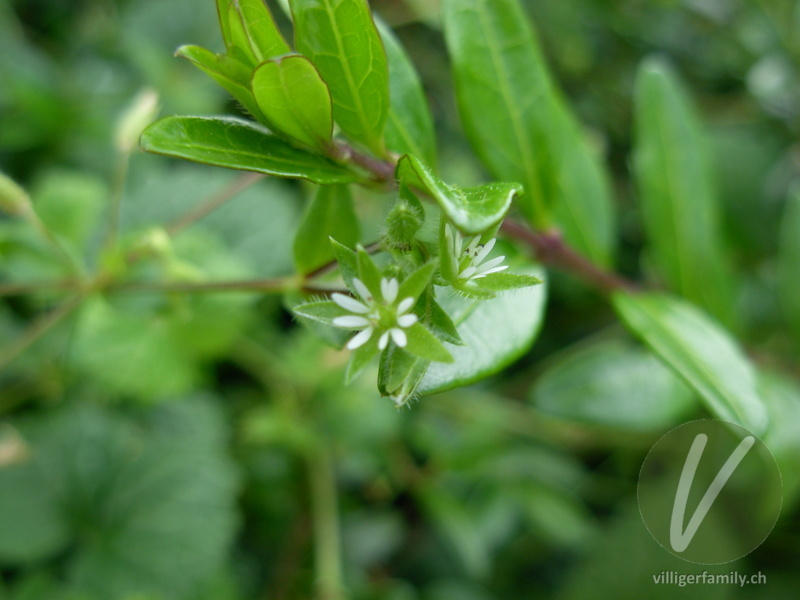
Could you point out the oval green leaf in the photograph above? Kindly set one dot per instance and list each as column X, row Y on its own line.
column 698, row 350
column 495, row 332
column 340, row 38
column 239, row 144
column 295, row 100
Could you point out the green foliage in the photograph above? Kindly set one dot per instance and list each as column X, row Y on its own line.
column 329, row 214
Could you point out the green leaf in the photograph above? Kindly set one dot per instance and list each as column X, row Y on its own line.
column 409, row 127
column 679, row 203
column 263, row 37
column 329, row 214
column 340, row 38
column 437, row 320
column 224, row 24
column 238, row 144
column 698, row 350
column 789, row 263
column 295, row 100
column 229, row 73
column 416, row 283
column 348, row 262
column 321, row 312
column 400, row 373
column 520, row 126
column 472, row 210
column 613, row 384
column 782, row 398
column 504, row 94
column 424, row 344
column 496, row 332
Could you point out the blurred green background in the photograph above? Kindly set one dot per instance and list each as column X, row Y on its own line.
column 165, row 446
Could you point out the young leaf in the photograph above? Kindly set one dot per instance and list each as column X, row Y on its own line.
column 340, row 38
column 409, row 127
column 295, row 101
column 424, row 344
column 472, row 210
column 698, row 350
column 230, row 74
column 321, row 312
column 789, row 262
column 263, row 35
column 679, row 203
column 348, row 262
column 239, row 144
column 614, row 384
column 496, row 332
column 330, row 213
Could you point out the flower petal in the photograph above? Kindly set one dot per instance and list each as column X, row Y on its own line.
column 491, row 264
column 360, row 339
column 351, row 322
column 405, row 305
column 467, row 273
column 389, row 289
column 362, row 289
column 350, row 303
column 407, row 320
column 384, row 341
column 484, row 252
column 490, row 271
column 399, row 337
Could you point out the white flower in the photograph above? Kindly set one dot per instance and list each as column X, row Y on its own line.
column 474, row 268
column 370, row 316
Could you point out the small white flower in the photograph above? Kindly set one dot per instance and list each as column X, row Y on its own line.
column 370, row 316
column 474, row 268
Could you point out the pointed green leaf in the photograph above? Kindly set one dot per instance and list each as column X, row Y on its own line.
column 519, row 125
column 789, row 263
column 437, row 320
column 424, row 344
column 472, row 210
column 496, row 332
column 698, row 350
column 295, row 101
column 230, row 74
column 340, row 38
column 679, row 204
column 448, row 261
column 238, row 144
column 613, row 383
column 501, row 282
column 348, row 261
column 416, row 283
column 265, row 39
column 330, row 213
column 409, row 127
column 321, row 312
column 361, row 357
column 369, row 274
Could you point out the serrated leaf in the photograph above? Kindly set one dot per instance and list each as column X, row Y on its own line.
column 472, row 210
column 679, row 203
column 409, row 127
column 789, row 263
column 295, row 101
column 229, row 73
column 519, row 125
column 341, row 39
column 700, row 351
column 238, row 144
column 496, row 332
column 424, row 344
column 329, row 214
column 613, row 384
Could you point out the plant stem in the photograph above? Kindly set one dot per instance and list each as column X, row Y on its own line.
column 551, row 249
column 327, row 542
column 226, row 194
column 382, row 170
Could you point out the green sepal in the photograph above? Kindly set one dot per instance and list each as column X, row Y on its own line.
column 348, row 262
column 321, row 312
column 424, row 344
column 361, row 357
column 415, row 284
column 369, row 274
